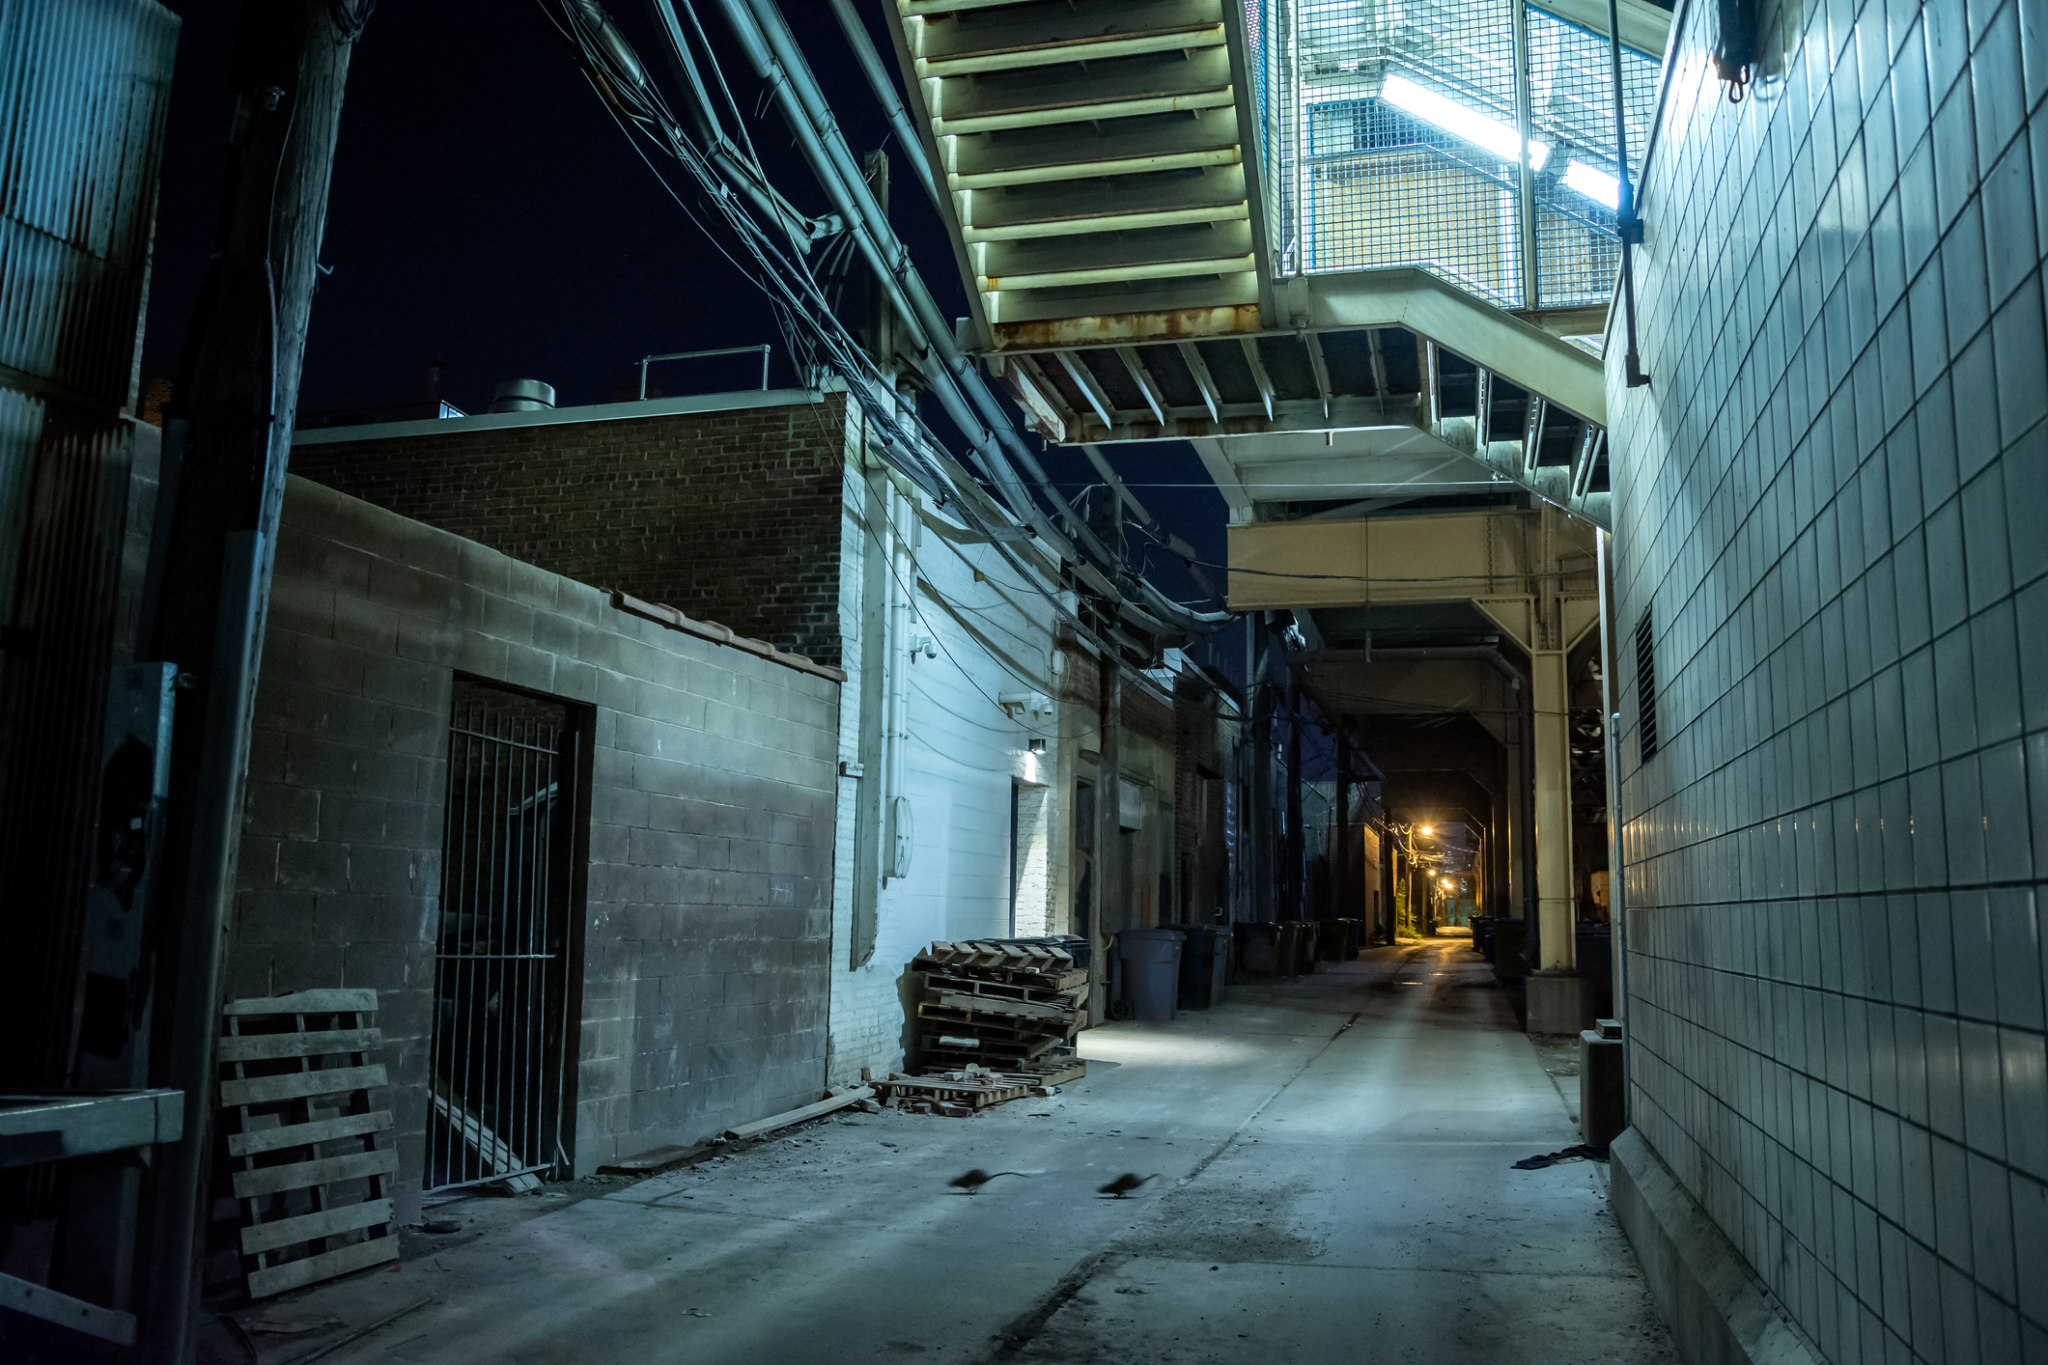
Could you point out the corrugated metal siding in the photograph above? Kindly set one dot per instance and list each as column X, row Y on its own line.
column 84, row 85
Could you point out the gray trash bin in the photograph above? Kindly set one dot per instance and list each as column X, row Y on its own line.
column 1151, row 961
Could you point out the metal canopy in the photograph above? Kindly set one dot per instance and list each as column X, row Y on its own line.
column 1104, row 176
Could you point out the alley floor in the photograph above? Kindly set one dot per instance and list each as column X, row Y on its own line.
column 1334, row 1183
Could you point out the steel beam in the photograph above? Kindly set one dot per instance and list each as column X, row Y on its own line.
column 1142, row 377
column 1212, row 398
column 1258, row 369
column 1090, row 389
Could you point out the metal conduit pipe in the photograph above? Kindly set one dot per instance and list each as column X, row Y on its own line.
column 778, row 61
column 1173, row 543
column 885, row 95
column 624, row 68
column 895, row 276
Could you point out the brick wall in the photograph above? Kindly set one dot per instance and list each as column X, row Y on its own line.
column 729, row 516
column 707, row 913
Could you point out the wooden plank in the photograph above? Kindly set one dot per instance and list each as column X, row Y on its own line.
column 308, row 1002
column 299, row 1085
column 264, row 1047
column 325, row 1170
column 305, row 1134
column 40, row 1301
column 809, row 1111
column 305, row 1227
column 1005, row 1005
column 340, row 1261
column 658, row 1160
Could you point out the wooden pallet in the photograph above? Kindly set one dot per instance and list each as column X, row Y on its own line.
column 1007, row 990
column 972, row 1094
column 314, row 1186
column 996, row 960
column 944, row 1016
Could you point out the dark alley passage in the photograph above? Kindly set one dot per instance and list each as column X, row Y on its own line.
column 1335, row 1159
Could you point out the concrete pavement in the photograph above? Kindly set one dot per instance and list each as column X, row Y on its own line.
column 1334, row 1159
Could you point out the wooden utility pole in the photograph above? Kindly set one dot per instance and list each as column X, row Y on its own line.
column 228, row 436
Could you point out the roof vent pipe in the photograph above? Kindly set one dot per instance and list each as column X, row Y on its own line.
column 522, row 395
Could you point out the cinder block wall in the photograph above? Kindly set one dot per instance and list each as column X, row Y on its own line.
column 1831, row 502
column 729, row 516
column 711, row 822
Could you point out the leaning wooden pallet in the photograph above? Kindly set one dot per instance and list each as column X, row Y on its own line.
column 314, row 1186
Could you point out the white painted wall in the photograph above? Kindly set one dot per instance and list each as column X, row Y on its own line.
column 991, row 636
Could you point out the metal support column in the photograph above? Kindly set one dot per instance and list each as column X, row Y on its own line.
column 1525, row 175
column 1553, row 764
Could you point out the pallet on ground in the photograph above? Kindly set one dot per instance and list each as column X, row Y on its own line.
column 977, row 1092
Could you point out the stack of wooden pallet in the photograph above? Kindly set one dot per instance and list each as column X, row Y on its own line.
column 1003, row 1006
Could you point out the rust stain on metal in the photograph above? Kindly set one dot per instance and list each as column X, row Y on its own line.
column 1174, row 325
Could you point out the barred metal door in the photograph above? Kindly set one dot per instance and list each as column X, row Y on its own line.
column 501, row 981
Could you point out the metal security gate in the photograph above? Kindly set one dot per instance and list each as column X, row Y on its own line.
column 502, row 979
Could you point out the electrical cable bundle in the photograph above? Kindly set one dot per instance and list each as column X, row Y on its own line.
column 772, row 241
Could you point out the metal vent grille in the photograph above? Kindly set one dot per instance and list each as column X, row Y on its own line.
column 1646, row 689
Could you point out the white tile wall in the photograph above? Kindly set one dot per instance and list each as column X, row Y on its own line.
column 1833, row 499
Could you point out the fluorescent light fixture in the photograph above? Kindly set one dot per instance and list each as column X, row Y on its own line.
column 1598, row 186
column 1456, row 119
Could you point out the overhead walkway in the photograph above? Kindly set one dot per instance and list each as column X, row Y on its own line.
column 1101, row 162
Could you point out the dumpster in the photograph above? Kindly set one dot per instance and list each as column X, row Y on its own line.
column 1151, row 970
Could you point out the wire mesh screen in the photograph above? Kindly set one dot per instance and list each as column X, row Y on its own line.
column 501, row 994
column 1401, row 112
column 1571, row 102
column 1395, row 136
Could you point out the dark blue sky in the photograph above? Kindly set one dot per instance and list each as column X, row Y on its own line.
column 487, row 213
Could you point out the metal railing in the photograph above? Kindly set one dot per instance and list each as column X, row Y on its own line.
column 647, row 360
column 501, row 1029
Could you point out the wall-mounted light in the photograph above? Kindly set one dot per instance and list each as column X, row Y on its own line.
column 1037, row 744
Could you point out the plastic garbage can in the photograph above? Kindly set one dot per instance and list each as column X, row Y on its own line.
column 1200, row 976
column 1151, row 963
column 1258, row 949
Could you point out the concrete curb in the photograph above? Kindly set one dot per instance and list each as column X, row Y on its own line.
column 1719, row 1312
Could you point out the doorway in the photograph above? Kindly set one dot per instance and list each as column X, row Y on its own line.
column 509, row 939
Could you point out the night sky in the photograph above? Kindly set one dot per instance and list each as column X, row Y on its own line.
column 487, row 213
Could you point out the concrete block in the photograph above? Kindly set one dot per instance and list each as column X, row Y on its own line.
column 1558, row 1004
column 304, row 865
column 407, row 682
column 1719, row 1311
column 270, row 916
column 366, row 623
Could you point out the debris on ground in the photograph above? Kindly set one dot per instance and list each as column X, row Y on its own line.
column 1583, row 1151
